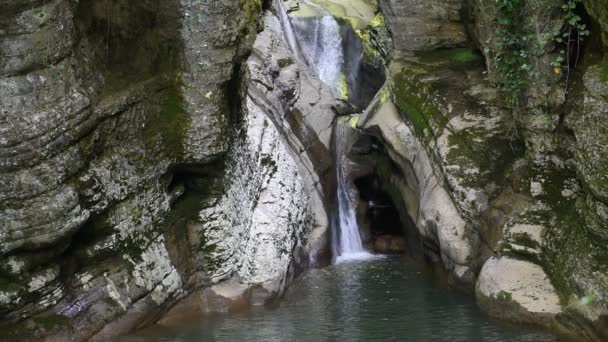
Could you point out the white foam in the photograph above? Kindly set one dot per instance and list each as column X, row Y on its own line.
column 358, row 256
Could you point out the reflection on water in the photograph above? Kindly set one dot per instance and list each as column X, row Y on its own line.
column 389, row 299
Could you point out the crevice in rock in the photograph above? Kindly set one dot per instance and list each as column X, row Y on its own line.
column 364, row 79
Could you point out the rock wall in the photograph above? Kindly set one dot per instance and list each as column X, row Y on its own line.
column 144, row 159
column 522, row 178
column 109, row 112
column 151, row 151
column 425, row 25
column 272, row 219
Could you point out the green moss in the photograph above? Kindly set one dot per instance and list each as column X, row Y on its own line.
column 285, row 62
column 524, row 239
column 9, row 287
column 343, row 86
column 419, row 102
column 35, row 328
column 251, row 10
column 604, row 71
column 504, row 296
column 570, row 254
column 456, row 55
column 364, row 37
column 171, row 124
column 358, row 13
column 51, row 322
column 174, row 122
column 378, row 21
column 491, row 156
column 353, row 121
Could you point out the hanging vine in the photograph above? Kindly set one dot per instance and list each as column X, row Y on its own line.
column 571, row 36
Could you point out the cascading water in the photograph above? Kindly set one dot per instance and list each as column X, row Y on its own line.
column 317, row 40
column 320, row 44
column 346, row 241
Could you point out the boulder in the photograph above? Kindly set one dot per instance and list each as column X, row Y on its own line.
column 517, row 290
column 389, row 244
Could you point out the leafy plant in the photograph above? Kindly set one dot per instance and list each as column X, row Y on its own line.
column 514, row 45
column 571, row 35
column 511, row 55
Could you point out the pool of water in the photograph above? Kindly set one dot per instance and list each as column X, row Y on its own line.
column 387, row 299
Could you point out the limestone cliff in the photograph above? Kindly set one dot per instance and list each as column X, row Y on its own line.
column 120, row 122
column 514, row 156
column 152, row 151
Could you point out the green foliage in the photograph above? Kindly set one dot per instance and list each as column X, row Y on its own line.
column 511, row 55
column 455, row 55
column 514, row 45
column 571, row 34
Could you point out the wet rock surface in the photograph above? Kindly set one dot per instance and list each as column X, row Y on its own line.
column 520, row 179
column 425, row 25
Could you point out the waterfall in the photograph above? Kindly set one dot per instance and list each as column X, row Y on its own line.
column 320, row 44
column 317, row 41
column 346, row 241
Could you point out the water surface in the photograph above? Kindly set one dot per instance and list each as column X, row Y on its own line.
column 388, row 299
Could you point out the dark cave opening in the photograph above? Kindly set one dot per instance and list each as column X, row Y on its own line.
column 383, row 210
column 379, row 219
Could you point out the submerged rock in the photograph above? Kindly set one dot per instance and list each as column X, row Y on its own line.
column 390, row 244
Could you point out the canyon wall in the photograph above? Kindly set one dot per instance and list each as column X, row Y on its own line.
column 508, row 139
column 142, row 158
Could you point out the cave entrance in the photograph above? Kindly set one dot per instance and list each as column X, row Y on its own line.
column 384, row 227
column 382, row 199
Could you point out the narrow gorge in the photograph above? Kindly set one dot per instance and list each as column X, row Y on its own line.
column 304, row 170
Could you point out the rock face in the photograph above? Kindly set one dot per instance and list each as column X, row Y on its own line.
column 483, row 174
column 425, row 25
column 517, row 290
column 273, row 216
column 121, row 120
column 156, row 150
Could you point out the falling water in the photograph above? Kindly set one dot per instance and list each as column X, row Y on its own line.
column 346, row 241
column 317, row 40
column 321, row 45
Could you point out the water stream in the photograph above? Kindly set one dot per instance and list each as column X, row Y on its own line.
column 318, row 40
column 346, row 240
